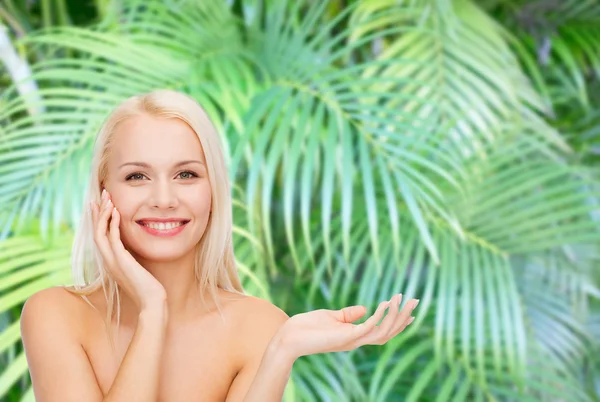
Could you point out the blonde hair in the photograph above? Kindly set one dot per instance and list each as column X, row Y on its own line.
column 215, row 263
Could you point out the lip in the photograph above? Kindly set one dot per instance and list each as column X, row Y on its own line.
column 163, row 233
column 162, row 220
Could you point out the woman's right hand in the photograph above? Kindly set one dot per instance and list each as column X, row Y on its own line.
column 139, row 284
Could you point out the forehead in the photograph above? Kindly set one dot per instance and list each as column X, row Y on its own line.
column 154, row 140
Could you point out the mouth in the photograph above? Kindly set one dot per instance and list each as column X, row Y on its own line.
column 163, row 228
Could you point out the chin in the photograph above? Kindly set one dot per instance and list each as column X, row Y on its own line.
column 159, row 253
column 163, row 258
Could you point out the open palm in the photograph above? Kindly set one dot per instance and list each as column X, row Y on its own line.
column 322, row 331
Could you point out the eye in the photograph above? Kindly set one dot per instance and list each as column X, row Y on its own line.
column 187, row 175
column 135, row 176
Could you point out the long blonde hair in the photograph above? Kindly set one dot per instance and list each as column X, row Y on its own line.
column 214, row 264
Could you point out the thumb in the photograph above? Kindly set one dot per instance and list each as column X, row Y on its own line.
column 352, row 313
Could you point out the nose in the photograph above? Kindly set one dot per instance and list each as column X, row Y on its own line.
column 164, row 195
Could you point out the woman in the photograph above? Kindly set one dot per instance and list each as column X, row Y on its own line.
column 158, row 311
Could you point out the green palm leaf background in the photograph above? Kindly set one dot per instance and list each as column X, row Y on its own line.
column 445, row 149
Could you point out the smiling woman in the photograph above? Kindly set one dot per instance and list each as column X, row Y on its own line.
column 157, row 310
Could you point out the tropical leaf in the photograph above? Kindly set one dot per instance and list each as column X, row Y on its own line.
column 463, row 66
column 383, row 147
column 108, row 68
column 346, row 116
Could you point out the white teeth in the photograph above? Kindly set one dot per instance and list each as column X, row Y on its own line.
column 163, row 226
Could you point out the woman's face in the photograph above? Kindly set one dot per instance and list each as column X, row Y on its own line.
column 158, row 181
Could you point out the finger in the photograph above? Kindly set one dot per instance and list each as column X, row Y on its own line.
column 114, row 233
column 404, row 318
column 368, row 325
column 403, row 326
column 351, row 313
column 122, row 256
column 97, row 207
column 389, row 321
column 103, row 217
column 100, row 236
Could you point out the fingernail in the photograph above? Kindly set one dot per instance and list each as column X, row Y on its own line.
column 411, row 320
column 416, row 303
column 108, row 203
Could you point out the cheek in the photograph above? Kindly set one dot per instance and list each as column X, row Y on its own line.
column 198, row 199
column 127, row 203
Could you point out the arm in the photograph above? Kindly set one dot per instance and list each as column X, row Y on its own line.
column 264, row 370
column 320, row 331
column 59, row 366
column 138, row 375
column 272, row 376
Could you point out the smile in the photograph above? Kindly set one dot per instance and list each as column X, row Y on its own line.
column 164, row 228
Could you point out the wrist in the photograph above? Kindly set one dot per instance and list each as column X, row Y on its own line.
column 154, row 312
column 156, row 302
column 279, row 352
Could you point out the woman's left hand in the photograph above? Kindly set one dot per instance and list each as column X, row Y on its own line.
column 323, row 331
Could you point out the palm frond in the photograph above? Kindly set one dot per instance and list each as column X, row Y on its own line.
column 519, row 201
column 108, row 68
column 464, row 67
column 389, row 147
column 347, row 117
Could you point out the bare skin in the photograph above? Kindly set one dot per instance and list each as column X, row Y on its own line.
column 201, row 357
column 180, row 350
column 169, row 346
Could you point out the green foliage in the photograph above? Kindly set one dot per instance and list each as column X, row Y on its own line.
column 444, row 149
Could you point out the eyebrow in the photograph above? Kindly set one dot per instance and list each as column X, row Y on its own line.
column 145, row 165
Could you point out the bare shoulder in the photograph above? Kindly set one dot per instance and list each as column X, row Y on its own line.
column 55, row 307
column 255, row 322
column 52, row 324
column 256, row 315
column 56, row 301
column 256, row 308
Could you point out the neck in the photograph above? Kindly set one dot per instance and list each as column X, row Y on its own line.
column 178, row 279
